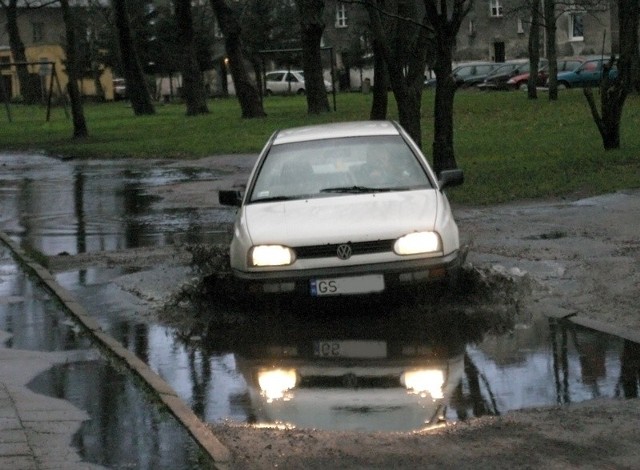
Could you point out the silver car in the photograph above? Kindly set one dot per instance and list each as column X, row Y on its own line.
column 345, row 208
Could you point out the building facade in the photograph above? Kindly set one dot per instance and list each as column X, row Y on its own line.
column 494, row 30
column 42, row 32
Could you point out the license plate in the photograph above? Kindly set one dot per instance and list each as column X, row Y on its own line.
column 347, row 285
column 353, row 349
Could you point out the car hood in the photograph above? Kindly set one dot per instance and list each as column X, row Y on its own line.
column 343, row 218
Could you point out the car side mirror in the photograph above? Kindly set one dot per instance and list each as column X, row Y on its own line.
column 230, row 197
column 450, row 178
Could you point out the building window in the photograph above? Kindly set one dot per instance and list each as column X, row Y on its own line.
column 38, row 32
column 472, row 28
column 495, row 8
column 341, row 15
column 520, row 26
column 576, row 26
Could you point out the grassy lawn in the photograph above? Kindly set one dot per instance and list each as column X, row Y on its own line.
column 509, row 147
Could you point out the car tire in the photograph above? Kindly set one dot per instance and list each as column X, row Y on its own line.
column 300, row 91
column 268, row 92
column 563, row 85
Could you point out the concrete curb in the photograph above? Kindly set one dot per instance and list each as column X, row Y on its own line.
column 201, row 433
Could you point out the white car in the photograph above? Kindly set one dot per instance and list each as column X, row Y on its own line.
column 344, row 208
column 284, row 82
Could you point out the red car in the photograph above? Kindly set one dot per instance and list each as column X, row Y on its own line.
column 519, row 82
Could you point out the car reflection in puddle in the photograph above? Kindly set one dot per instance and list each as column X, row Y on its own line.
column 363, row 368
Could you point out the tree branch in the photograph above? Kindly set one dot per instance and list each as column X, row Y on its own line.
column 375, row 6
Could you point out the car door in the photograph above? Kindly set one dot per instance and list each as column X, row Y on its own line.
column 590, row 73
column 292, row 84
column 275, row 82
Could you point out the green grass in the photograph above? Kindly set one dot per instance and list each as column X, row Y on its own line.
column 509, row 147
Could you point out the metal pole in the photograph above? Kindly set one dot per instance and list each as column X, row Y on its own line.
column 50, row 94
column 333, row 78
column 62, row 95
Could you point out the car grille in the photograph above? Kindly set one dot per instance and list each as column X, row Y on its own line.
column 350, row 381
column 330, row 250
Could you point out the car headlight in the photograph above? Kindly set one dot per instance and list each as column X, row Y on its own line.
column 424, row 381
column 418, row 242
column 271, row 255
column 275, row 383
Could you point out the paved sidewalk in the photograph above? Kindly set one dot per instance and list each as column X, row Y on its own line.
column 36, row 431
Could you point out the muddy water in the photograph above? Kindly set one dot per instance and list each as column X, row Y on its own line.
column 369, row 364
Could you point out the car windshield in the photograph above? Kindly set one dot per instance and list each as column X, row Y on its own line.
column 330, row 167
column 506, row 68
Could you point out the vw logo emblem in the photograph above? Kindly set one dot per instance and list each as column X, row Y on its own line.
column 344, row 251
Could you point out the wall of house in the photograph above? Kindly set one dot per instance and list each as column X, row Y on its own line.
column 43, row 32
column 488, row 33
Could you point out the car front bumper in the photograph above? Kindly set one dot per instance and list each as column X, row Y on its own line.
column 398, row 272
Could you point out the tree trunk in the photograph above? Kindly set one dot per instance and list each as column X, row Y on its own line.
column 246, row 91
column 611, row 103
column 137, row 89
column 192, row 85
column 311, row 29
column 552, row 55
column 446, row 26
column 613, row 93
column 534, row 51
column 380, row 101
column 443, row 154
column 409, row 106
column 405, row 68
column 29, row 89
column 79, row 123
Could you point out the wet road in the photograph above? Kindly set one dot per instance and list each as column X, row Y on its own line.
column 347, row 364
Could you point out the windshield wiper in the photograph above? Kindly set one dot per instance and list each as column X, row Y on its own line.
column 354, row 189
column 275, row 198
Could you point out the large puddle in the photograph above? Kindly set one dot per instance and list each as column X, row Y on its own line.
column 371, row 364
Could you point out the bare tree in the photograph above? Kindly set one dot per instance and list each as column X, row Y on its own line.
column 79, row 124
column 402, row 42
column 545, row 14
column 534, row 50
column 549, row 13
column 29, row 86
column 137, row 88
column 446, row 25
column 614, row 91
column 311, row 29
column 380, row 102
column 246, row 91
column 192, row 84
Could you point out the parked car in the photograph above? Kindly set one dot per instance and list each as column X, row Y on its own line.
column 564, row 64
column 468, row 74
column 589, row 73
column 119, row 89
column 498, row 78
column 284, row 82
column 343, row 208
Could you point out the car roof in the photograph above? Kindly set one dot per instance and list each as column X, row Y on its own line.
column 335, row 130
column 479, row 62
column 283, row 71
